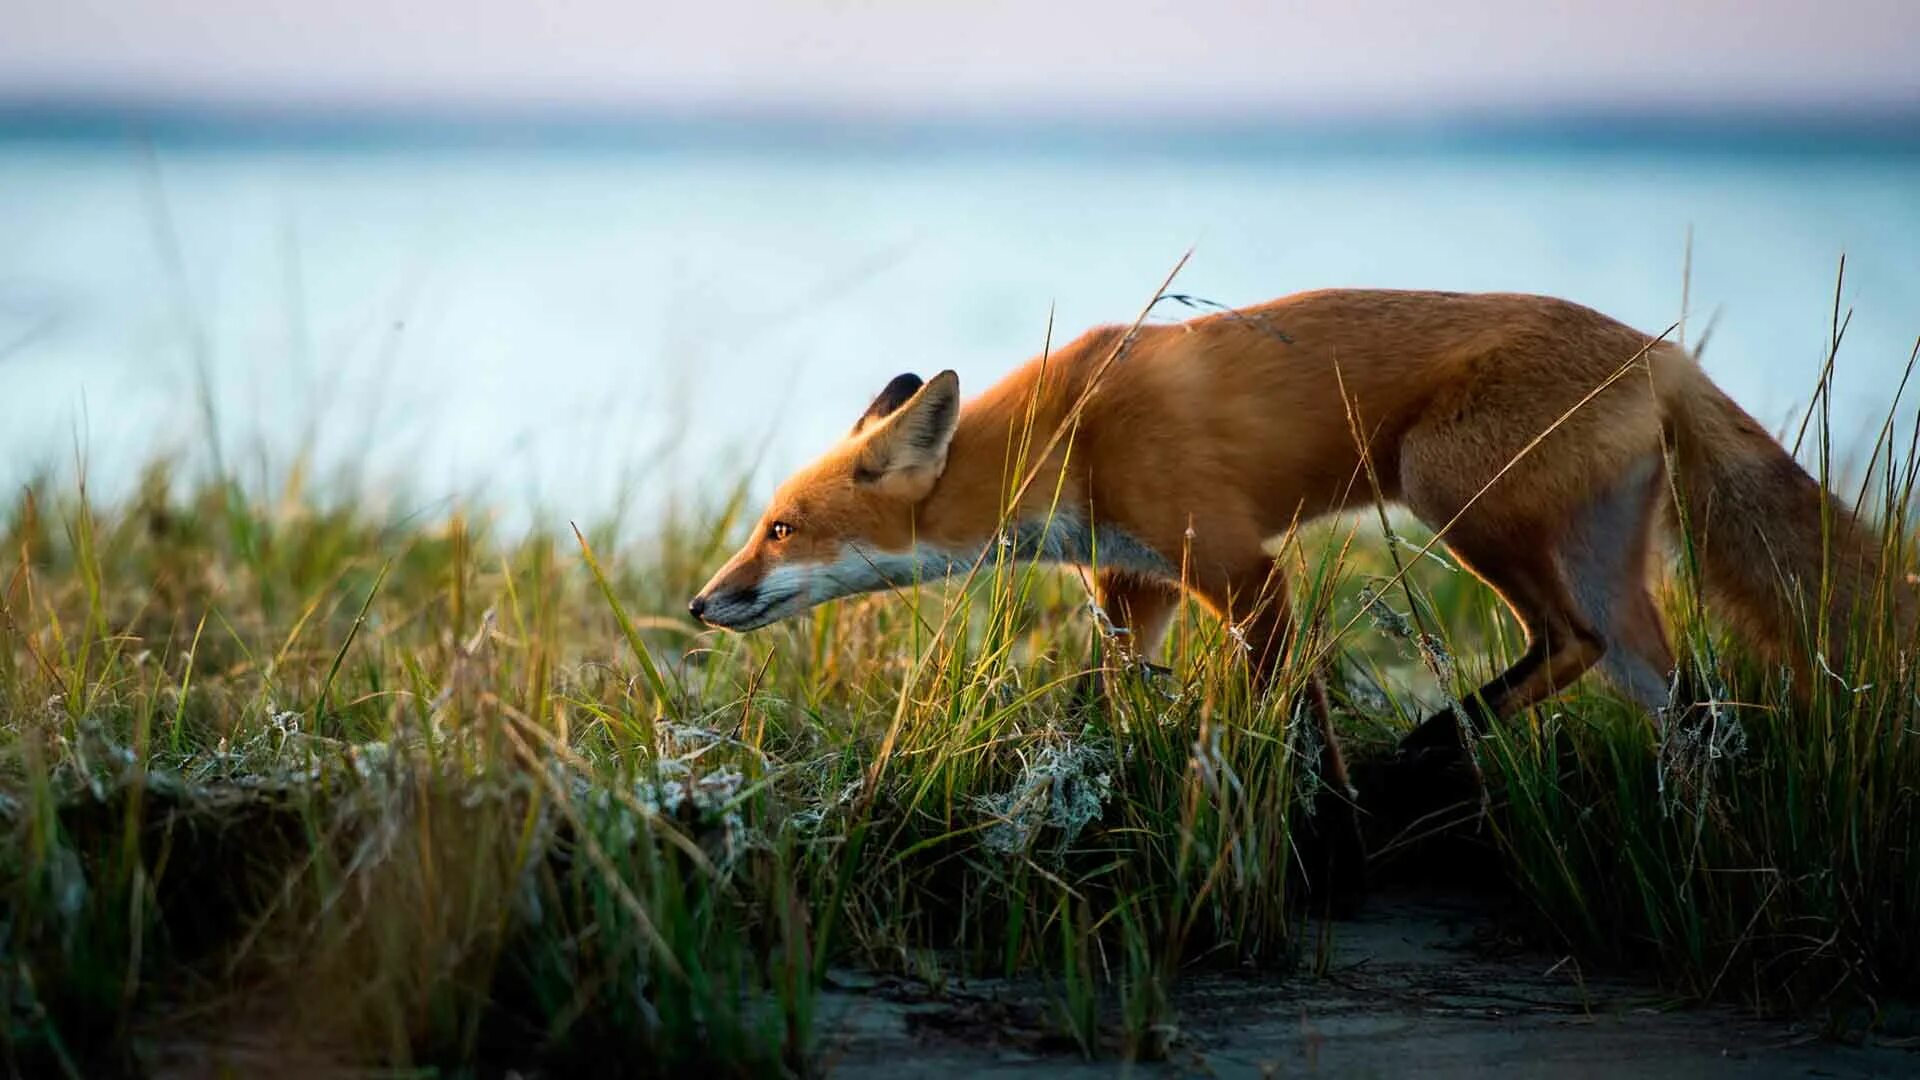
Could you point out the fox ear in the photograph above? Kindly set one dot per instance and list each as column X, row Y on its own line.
column 897, row 393
column 906, row 449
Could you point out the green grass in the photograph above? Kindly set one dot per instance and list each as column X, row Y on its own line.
column 414, row 792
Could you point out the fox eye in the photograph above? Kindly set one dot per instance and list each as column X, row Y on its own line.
column 779, row 530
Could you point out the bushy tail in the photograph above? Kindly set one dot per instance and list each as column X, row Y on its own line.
column 1782, row 558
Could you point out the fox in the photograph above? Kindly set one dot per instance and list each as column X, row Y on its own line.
column 1550, row 447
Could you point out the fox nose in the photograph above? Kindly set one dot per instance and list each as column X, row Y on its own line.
column 697, row 606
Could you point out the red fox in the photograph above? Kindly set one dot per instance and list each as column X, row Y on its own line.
column 1536, row 433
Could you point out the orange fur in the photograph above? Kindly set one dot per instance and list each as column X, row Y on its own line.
column 1207, row 438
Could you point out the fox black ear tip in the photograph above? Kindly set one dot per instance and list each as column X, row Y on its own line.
column 898, row 391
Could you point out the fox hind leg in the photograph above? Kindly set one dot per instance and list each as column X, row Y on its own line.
column 1561, row 643
column 1587, row 604
column 1604, row 558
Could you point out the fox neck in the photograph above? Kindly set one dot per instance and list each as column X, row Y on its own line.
column 963, row 521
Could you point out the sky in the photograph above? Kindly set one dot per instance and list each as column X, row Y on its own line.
column 883, row 57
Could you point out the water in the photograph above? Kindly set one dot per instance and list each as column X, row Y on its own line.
column 531, row 325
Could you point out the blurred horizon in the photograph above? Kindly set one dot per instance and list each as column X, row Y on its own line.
column 1890, row 127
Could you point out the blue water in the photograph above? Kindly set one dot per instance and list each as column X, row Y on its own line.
column 558, row 327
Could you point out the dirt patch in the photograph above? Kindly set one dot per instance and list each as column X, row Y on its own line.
column 1409, row 985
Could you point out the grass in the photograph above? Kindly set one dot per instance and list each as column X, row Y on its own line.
column 412, row 792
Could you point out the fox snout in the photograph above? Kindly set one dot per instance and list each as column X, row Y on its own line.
column 734, row 598
column 736, row 607
column 722, row 607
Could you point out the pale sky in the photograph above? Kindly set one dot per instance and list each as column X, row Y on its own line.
column 978, row 56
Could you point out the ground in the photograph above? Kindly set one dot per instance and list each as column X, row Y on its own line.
column 1412, row 981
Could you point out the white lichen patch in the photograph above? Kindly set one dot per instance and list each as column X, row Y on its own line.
column 1062, row 787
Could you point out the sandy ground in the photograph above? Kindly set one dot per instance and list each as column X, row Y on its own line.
column 1408, row 987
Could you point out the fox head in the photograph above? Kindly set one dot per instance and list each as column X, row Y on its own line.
column 844, row 524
